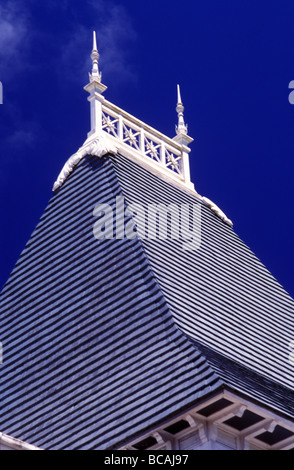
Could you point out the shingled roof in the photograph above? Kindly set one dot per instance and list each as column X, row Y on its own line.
column 104, row 339
column 107, row 339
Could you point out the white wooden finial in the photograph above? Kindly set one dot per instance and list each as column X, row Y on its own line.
column 181, row 128
column 182, row 137
column 95, row 75
column 95, row 88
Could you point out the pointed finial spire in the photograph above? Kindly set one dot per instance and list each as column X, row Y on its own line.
column 95, row 88
column 179, row 95
column 95, row 75
column 94, row 41
column 182, row 137
column 181, row 128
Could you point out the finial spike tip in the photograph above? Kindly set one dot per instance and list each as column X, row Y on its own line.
column 181, row 128
column 179, row 94
column 95, row 57
column 94, row 41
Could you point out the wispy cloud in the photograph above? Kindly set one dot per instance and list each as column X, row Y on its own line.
column 15, row 133
column 21, row 138
column 110, row 18
column 115, row 36
column 14, row 34
column 22, row 26
column 19, row 131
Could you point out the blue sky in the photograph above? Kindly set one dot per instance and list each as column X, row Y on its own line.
column 233, row 60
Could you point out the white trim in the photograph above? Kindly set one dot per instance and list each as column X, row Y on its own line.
column 95, row 145
column 217, row 211
column 213, row 428
column 170, row 154
column 11, row 443
column 266, row 413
